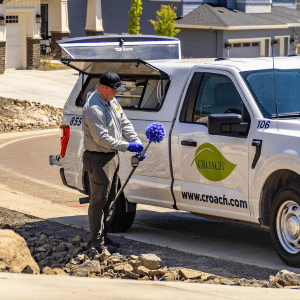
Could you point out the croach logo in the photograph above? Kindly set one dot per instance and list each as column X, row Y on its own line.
column 211, row 163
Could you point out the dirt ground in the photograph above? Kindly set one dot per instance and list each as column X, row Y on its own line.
column 170, row 257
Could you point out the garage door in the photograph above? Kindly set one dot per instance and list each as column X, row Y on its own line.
column 245, row 49
column 13, row 36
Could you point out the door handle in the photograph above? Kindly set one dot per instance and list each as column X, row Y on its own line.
column 189, row 143
column 257, row 144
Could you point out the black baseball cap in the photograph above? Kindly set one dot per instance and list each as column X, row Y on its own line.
column 113, row 81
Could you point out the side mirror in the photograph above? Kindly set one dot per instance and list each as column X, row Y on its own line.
column 227, row 124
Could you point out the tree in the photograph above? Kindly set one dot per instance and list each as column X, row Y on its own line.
column 134, row 13
column 165, row 23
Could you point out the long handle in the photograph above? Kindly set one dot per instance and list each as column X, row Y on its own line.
column 128, row 178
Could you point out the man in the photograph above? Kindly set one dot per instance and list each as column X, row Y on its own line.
column 104, row 125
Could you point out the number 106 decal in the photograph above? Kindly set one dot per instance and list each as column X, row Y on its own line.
column 263, row 124
column 76, row 121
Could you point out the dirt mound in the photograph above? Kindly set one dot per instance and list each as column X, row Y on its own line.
column 19, row 115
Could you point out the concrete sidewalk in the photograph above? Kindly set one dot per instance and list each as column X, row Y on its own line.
column 46, row 87
column 31, row 287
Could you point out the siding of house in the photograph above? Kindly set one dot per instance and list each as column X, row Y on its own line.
column 115, row 15
column 77, row 17
column 199, row 43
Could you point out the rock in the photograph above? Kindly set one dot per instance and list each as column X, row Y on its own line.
column 15, row 253
column 158, row 273
column 286, row 278
column 42, row 264
column 42, row 237
column 60, row 272
column 41, row 249
column 104, row 255
column 144, row 278
column 150, row 261
column 83, row 245
column 189, row 274
column 82, row 258
column 48, row 271
column 118, row 268
column 33, row 239
column 135, row 264
column 133, row 257
column 227, row 281
column 60, row 248
column 3, row 266
column 115, row 261
column 77, row 240
column 27, row 270
column 207, row 276
column 87, row 268
column 143, row 271
column 128, row 268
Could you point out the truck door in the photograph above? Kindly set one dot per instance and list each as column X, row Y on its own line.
column 210, row 171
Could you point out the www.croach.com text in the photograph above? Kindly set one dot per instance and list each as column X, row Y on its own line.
column 214, row 199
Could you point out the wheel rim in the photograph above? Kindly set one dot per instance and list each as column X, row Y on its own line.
column 288, row 226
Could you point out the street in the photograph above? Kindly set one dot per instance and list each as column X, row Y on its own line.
column 25, row 168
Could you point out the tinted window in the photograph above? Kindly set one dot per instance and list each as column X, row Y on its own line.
column 217, row 95
column 281, row 85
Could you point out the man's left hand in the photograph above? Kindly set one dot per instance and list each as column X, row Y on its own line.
column 143, row 157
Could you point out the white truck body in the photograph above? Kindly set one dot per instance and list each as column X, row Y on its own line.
column 234, row 176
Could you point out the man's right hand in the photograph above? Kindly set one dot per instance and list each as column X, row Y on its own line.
column 135, row 147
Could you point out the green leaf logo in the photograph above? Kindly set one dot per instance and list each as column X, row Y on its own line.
column 211, row 163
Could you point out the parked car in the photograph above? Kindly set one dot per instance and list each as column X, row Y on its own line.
column 232, row 143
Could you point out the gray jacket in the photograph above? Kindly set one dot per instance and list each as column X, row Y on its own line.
column 104, row 125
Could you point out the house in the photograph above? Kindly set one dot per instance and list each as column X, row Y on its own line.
column 27, row 24
column 239, row 28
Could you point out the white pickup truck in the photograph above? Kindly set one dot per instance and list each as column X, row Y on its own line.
column 232, row 146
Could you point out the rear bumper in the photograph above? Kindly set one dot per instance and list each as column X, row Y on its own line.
column 62, row 176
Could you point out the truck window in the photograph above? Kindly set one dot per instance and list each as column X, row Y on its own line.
column 215, row 95
column 141, row 93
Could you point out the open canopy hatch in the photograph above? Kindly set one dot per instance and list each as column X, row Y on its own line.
column 128, row 67
column 145, row 47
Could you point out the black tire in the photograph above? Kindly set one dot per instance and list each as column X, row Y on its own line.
column 118, row 219
column 285, row 224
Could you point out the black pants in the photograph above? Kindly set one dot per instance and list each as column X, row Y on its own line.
column 103, row 171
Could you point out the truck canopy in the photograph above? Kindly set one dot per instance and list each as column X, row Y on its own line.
column 128, row 67
column 145, row 47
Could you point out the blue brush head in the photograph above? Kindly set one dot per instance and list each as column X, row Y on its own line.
column 155, row 132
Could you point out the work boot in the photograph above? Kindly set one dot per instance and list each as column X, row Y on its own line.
column 100, row 248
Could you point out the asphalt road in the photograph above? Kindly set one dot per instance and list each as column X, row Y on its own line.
column 25, row 168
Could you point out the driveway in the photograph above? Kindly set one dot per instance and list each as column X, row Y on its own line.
column 46, row 87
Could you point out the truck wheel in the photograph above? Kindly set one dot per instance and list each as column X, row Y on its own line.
column 285, row 224
column 118, row 219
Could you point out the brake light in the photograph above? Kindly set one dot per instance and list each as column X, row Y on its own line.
column 64, row 139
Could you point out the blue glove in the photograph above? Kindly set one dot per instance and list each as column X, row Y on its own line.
column 143, row 157
column 135, row 147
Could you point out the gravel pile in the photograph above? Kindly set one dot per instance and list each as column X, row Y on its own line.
column 19, row 115
column 64, row 250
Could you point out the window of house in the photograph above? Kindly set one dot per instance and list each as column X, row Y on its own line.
column 12, row 19
column 255, row 44
column 44, row 25
column 237, row 45
column 246, row 44
column 216, row 94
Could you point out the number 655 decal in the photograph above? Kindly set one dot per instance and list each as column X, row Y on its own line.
column 76, row 121
column 263, row 124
